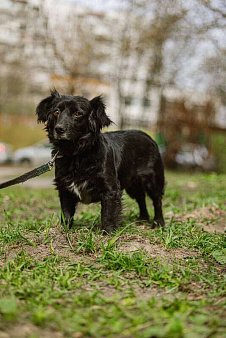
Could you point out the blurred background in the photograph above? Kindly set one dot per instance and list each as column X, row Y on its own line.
column 159, row 64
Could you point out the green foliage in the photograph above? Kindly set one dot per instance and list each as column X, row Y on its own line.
column 8, row 307
column 220, row 256
column 218, row 141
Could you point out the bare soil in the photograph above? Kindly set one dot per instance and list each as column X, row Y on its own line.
column 21, row 330
column 211, row 218
column 135, row 243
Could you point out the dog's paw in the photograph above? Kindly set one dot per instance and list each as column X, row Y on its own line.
column 157, row 223
column 142, row 220
column 67, row 223
column 108, row 230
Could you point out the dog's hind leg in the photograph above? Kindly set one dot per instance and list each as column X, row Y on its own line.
column 68, row 201
column 136, row 192
column 157, row 202
column 155, row 189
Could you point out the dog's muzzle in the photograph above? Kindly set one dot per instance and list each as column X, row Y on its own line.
column 60, row 133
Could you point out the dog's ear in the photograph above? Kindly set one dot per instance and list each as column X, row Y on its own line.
column 98, row 118
column 45, row 105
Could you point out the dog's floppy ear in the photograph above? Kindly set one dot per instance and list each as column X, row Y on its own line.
column 45, row 105
column 98, row 118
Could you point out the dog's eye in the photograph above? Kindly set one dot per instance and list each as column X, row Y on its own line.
column 78, row 114
column 56, row 112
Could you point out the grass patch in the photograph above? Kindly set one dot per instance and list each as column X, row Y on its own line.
column 137, row 282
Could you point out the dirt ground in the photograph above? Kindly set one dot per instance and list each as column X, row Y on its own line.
column 211, row 218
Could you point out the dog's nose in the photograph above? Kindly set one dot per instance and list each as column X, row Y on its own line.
column 59, row 129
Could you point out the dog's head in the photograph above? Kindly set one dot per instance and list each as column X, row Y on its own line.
column 71, row 118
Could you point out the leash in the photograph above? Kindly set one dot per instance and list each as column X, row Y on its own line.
column 48, row 166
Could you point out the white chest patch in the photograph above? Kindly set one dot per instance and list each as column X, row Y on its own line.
column 77, row 189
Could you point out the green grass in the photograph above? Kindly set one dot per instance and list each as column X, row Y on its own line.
column 218, row 140
column 137, row 282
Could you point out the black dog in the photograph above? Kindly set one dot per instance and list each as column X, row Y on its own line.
column 95, row 167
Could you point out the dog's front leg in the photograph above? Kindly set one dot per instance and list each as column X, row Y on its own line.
column 111, row 210
column 68, row 203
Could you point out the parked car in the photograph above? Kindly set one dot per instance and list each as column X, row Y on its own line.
column 5, row 153
column 195, row 156
column 37, row 154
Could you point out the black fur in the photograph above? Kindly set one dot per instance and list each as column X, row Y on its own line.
column 97, row 166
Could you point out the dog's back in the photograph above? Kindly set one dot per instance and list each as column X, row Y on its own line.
column 136, row 156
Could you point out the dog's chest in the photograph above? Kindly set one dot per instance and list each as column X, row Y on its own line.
column 83, row 180
column 81, row 190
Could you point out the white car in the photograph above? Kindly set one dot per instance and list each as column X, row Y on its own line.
column 39, row 153
column 195, row 155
